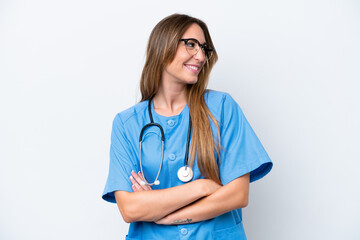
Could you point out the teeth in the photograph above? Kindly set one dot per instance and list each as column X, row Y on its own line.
column 193, row 67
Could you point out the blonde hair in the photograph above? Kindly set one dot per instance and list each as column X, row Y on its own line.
column 161, row 49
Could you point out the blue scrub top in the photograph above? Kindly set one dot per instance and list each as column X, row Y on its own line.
column 241, row 153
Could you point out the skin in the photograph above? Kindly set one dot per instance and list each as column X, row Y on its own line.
column 171, row 97
column 232, row 196
column 162, row 202
column 197, row 200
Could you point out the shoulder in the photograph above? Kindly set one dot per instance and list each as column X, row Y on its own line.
column 218, row 102
column 213, row 97
column 130, row 114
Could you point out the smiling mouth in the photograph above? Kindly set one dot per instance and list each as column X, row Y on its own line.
column 195, row 69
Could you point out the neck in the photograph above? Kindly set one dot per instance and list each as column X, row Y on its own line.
column 170, row 99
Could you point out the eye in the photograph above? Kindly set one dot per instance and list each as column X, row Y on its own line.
column 190, row 44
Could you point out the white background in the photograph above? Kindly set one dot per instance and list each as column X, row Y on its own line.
column 67, row 67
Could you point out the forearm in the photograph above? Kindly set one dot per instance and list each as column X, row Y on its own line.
column 155, row 204
column 229, row 197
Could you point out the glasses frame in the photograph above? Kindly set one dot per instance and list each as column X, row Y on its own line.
column 202, row 46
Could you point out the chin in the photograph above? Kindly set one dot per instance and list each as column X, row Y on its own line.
column 192, row 81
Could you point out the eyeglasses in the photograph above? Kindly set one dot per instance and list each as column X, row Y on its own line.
column 193, row 45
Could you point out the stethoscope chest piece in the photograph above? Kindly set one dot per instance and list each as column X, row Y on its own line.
column 185, row 174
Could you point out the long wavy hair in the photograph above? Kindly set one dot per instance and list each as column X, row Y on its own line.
column 161, row 50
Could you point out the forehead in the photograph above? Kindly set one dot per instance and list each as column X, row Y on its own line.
column 195, row 31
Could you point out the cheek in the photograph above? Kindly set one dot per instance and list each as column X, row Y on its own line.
column 176, row 66
column 181, row 58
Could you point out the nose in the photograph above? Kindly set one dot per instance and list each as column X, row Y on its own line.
column 200, row 55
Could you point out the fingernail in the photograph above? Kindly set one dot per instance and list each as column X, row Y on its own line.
column 131, row 177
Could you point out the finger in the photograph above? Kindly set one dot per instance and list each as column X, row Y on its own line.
column 144, row 186
column 147, row 186
column 139, row 180
column 135, row 184
column 136, row 177
column 133, row 181
column 137, row 188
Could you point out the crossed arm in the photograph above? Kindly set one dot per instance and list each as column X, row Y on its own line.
column 195, row 201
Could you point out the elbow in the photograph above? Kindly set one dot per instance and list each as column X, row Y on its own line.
column 243, row 201
column 127, row 207
column 126, row 217
column 128, row 213
column 243, row 198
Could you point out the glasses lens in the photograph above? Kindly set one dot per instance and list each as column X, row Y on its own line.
column 208, row 50
column 192, row 47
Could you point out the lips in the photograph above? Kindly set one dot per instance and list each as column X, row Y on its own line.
column 193, row 68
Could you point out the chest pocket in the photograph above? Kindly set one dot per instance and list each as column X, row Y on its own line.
column 151, row 153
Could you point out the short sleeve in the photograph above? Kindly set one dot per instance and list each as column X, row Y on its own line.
column 241, row 152
column 121, row 162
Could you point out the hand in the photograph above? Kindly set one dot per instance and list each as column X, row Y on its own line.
column 136, row 180
column 163, row 221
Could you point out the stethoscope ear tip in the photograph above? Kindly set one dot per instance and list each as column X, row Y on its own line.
column 157, row 182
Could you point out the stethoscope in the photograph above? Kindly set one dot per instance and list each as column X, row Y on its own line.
column 185, row 173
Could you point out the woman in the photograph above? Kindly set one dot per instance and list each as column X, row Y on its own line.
column 188, row 177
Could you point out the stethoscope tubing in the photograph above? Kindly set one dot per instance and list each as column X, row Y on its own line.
column 153, row 124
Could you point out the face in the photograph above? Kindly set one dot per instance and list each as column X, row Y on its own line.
column 185, row 68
